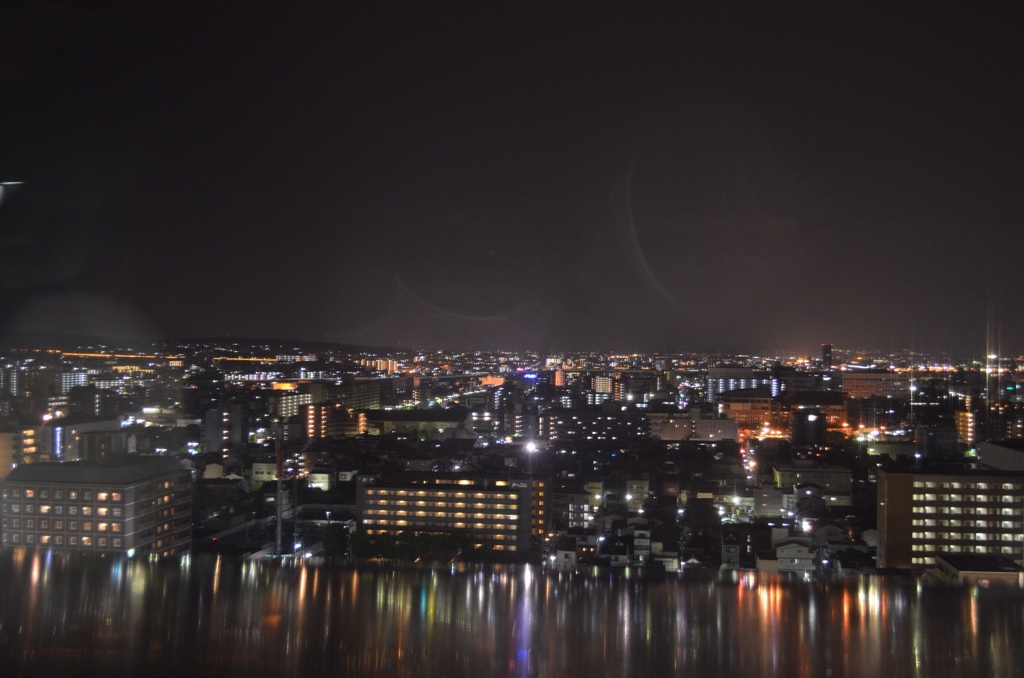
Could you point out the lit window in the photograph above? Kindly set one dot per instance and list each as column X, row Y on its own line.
column 45, row 508
column 102, row 496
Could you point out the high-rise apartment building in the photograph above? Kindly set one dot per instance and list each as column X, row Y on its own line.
column 135, row 506
column 924, row 513
column 503, row 512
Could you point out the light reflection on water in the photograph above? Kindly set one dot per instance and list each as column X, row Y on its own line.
column 225, row 617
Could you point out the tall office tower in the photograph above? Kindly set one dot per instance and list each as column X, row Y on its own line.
column 826, row 356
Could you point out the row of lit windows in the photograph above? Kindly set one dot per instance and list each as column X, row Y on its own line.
column 73, row 495
column 496, row 547
column 976, row 536
column 440, row 504
column 58, row 510
column 966, row 511
column 1004, row 524
column 58, row 540
column 441, row 495
column 1005, row 512
column 490, row 527
column 974, row 498
column 442, row 514
column 930, row 485
column 86, row 525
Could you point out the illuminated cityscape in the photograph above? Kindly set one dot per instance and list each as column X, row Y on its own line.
column 683, row 512
column 414, row 339
column 576, row 459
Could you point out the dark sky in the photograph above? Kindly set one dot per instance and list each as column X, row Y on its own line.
column 472, row 178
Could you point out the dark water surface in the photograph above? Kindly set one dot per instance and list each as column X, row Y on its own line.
column 62, row 615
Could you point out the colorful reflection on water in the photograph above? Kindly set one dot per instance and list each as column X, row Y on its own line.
column 208, row 615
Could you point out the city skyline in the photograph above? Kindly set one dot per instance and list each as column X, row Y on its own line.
column 748, row 181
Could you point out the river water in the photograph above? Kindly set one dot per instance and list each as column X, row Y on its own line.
column 208, row 615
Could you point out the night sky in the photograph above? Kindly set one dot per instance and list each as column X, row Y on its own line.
column 576, row 179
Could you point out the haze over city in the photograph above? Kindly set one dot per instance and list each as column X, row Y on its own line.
column 601, row 179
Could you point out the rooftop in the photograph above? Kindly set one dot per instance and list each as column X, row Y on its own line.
column 124, row 471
